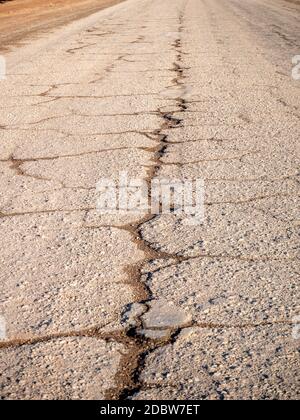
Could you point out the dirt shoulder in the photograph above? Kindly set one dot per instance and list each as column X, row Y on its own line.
column 20, row 19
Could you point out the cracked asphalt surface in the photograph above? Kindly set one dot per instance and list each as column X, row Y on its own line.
column 122, row 306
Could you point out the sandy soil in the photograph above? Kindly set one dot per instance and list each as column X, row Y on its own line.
column 294, row 1
column 20, row 19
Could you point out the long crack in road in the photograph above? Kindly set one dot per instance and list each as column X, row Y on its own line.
column 127, row 306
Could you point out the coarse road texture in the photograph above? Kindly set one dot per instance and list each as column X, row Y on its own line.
column 130, row 307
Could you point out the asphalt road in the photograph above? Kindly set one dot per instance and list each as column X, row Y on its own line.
column 129, row 306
